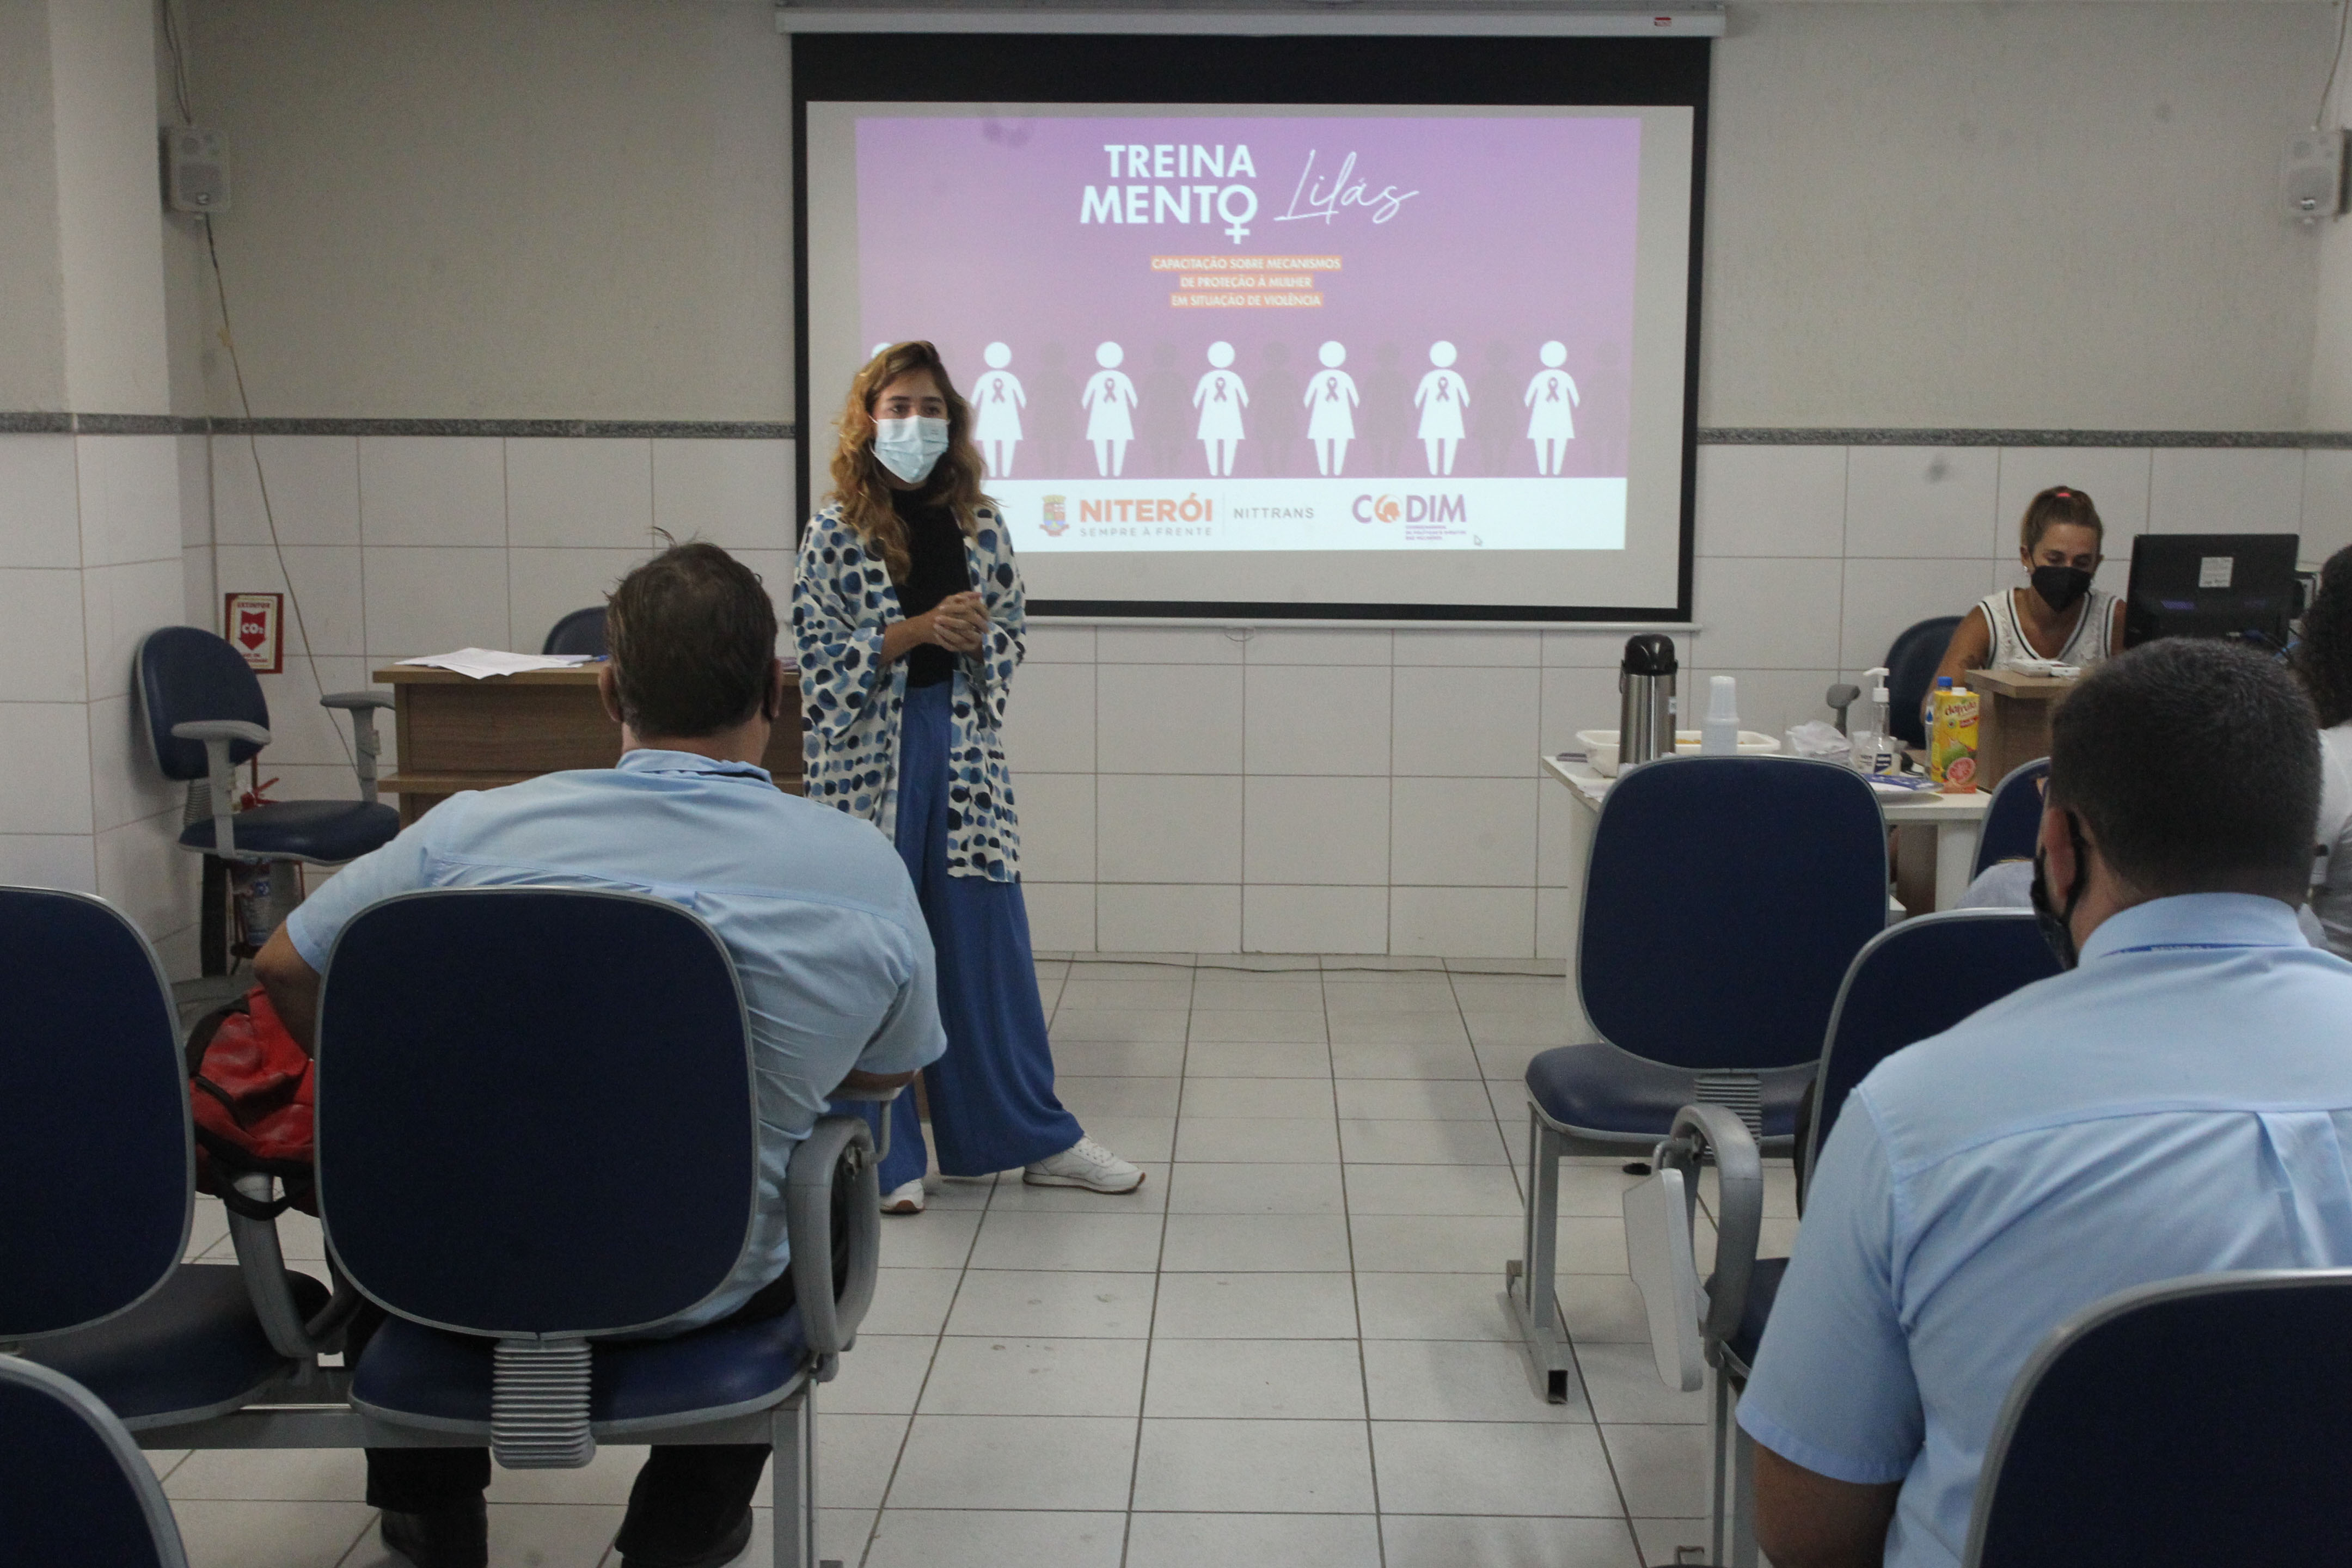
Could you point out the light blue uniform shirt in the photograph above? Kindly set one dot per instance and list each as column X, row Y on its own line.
column 2182, row 1102
column 814, row 908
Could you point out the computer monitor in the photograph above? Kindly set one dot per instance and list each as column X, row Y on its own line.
column 2240, row 585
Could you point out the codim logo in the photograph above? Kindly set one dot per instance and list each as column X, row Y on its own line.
column 1412, row 509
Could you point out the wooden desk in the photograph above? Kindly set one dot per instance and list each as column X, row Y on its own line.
column 2013, row 724
column 459, row 733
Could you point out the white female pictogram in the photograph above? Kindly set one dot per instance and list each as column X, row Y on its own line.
column 1109, row 397
column 1551, row 403
column 997, row 398
column 1440, row 399
column 1331, row 396
column 1220, row 397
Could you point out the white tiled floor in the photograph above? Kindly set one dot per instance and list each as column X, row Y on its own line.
column 1290, row 1346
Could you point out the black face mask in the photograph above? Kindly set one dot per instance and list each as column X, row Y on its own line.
column 2060, row 586
column 2058, row 924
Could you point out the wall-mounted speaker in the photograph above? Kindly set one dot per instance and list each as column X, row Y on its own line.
column 195, row 170
column 2312, row 174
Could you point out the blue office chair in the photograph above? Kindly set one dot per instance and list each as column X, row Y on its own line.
column 96, row 1149
column 554, row 1143
column 1724, row 899
column 582, row 631
column 2013, row 820
column 205, row 716
column 74, row 1487
column 2192, row 1421
column 1912, row 981
column 1911, row 662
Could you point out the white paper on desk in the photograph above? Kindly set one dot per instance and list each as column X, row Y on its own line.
column 483, row 662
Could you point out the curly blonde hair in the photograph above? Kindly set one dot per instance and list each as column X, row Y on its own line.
column 858, row 481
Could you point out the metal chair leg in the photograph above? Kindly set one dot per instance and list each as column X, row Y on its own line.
column 1531, row 1279
column 1743, row 1499
column 1731, row 1496
column 793, row 1427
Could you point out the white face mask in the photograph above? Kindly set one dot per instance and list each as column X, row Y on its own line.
column 910, row 447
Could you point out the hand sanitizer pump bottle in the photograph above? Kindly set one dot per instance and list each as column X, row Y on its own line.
column 1719, row 735
column 1873, row 753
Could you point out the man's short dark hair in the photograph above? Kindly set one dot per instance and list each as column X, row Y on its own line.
column 2195, row 764
column 692, row 632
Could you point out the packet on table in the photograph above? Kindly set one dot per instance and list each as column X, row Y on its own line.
column 1952, row 738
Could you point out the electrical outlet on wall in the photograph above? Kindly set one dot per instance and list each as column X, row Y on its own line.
column 2312, row 174
column 195, row 170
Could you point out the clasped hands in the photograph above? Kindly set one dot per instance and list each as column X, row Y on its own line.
column 958, row 623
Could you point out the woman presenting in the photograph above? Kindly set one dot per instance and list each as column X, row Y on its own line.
column 905, row 670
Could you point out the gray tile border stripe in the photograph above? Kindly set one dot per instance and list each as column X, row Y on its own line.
column 1756, row 435
column 24, row 424
column 37, row 423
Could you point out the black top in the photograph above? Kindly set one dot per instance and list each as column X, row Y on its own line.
column 936, row 568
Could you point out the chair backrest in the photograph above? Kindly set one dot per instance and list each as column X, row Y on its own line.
column 2013, row 820
column 74, row 1487
column 536, row 1114
column 2193, row 1421
column 1914, row 980
column 1911, row 662
column 96, row 1154
column 186, row 674
column 1724, row 899
column 582, row 631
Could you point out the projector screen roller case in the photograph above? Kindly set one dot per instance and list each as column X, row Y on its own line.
column 1333, row 359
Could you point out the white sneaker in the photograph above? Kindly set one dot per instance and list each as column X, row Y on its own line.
column 904, row 1198
column 1085, row 1163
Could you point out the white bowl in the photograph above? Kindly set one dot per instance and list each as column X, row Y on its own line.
column 1601, row 747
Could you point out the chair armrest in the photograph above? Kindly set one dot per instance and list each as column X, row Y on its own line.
column 1701, row 1129
column 883, row 1098
column 220, row 773
column 1841, row 698
column 365, row 748
column 210, row 729
column 263, row 1265
column 833, row 1275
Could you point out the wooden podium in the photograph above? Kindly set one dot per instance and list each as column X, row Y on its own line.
column 455, row 732
column 2013, row 725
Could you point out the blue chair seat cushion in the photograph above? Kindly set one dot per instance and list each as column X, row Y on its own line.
column 1600, row 1089
column 413, row 1369
column 1763, row 1285
column 195, row 1345
column 331, row 831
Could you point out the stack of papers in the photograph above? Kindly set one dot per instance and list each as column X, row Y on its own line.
column 483, row 662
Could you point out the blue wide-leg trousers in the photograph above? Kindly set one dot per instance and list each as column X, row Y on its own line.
column 991, row 1095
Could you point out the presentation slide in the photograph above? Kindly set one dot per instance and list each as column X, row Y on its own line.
column 1271, row 355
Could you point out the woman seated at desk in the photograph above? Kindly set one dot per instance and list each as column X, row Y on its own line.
column 2060, row 618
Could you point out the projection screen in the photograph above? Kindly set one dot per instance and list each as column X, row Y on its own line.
column 1284, row 359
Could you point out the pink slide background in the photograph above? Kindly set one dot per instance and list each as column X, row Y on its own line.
column 1520, row 231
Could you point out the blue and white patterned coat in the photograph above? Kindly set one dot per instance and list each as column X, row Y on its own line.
column 851, row 702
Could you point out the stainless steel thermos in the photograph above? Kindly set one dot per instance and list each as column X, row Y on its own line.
column 1645, row 700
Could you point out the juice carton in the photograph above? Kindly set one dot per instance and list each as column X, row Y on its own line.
column 1952, row 739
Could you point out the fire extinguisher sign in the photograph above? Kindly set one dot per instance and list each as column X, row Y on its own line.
column 255, row 624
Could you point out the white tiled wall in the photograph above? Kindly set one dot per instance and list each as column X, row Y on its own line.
column 1386, row 796
column 92, row 534
column 1182, row 789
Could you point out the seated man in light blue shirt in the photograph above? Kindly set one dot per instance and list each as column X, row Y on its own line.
column 2180, row 1102
column 814, row 907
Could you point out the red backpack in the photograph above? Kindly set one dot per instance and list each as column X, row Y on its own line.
column 250, row 1087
